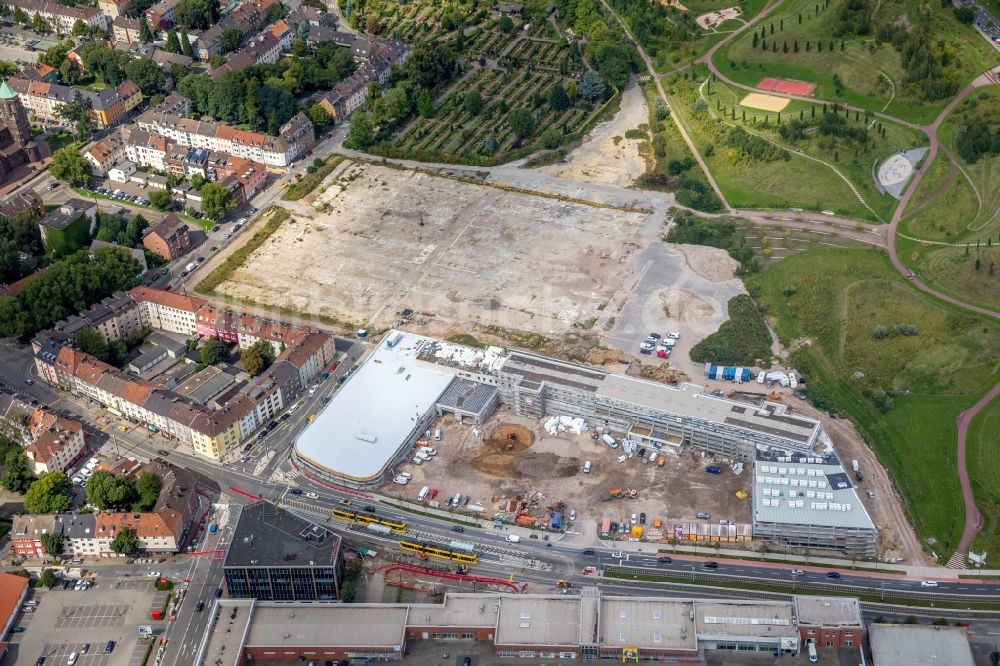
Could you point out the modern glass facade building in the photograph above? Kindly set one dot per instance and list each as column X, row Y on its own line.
column 277, row 556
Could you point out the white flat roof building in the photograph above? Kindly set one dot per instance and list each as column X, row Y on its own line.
column 919, row 645
column 378, row 412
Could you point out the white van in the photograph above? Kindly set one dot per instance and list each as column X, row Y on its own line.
column 586, row 467
column 813, row 657
column 422, row 495
column 71, row 660
column 437, row 435
column 513, row 538
column 456, row 500
column 423, row 455
column 652, row 457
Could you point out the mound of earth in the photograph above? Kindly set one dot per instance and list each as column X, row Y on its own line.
column 546, row 464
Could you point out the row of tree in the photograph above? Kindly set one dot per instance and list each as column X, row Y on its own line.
column 18, row 235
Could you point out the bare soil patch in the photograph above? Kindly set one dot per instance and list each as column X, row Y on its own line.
column 709, row 262
column 709, row 20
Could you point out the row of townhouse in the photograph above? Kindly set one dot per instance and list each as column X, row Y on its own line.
column 60, row 17
column 248, row 18
column 375, row 59
column 164, row 529
column 294, row 138
column 124, row 31
column 302, row 354
column 107, row 107
column 265, row 48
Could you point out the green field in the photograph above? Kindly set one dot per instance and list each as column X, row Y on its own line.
column 837, row 299
column 983, row 457
column 707, row 111
column 958, row 207
column 864, row 68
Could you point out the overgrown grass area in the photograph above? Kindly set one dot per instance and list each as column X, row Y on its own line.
column 275, row 217
column 866, row 70
column 955, row 206
column 984, row 469
column 899, row 364
column 313, row 178
column 743, row 339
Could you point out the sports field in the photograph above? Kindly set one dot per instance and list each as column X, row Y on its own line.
column 765, row 102
column 788, row 87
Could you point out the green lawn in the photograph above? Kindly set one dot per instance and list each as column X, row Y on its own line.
column 983, row 458
column 796, row 182
column 862, row 68
column 964, row 211
column 839, row 297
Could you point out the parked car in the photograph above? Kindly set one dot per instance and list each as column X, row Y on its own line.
column 713, row 469
column 799, row 394
column 704, row 515
column 622, row 458
column 642, row 518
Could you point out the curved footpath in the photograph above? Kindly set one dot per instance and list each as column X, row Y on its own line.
column 973, row 518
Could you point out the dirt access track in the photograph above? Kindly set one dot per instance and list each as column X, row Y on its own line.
column 456, row 252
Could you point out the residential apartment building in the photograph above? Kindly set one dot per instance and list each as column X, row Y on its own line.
column 265, row 48
column 167, row 311
column 112, row 8
column 68, row 227
column 350, row 94
column 248, row 18
column 26, row 535
column 311, row 355
column 105, row 154
column 294, row 138
column 115, row 317
column 169, row 239
column 56, row 442
column 161, row 15
column 60, row 17
column 14, row 204
column 125, row 29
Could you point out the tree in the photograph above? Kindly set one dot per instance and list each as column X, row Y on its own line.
column 319, row 116
column 145, row 34
column 965, row 15
column 473, row 103
column 558, row 99
column 216, row 200
column 48, row 494
column 196, row 14
column 614, row 61
column 232, row 38
column 214, row 351
column 591, row 86
column 125, row 542
column 17, row 477
column 69, row 165
column 110, row 491
column 186, row 47
column 161, row 199
column 257, row 357
column 39, row 24
column 506, row 24
column 217, row 60
column 89, row 340
column 362, row 132
column 173, row 44
column 521, row 121
column 52, row 542
column 425, row 105
column 147, row 75
column 79, row 28
column 20, row 17
column 47, row 578
column 147, row 488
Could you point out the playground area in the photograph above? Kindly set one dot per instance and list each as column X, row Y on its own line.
column 765, row 102
column 710, row 20
column 787, row 86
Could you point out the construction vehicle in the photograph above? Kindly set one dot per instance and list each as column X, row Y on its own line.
column 618, row 493
column 742, row 494
column 563, row 583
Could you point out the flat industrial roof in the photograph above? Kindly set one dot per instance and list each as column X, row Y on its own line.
column 734, row 618
column 327, row 625
column 820, row 492
column 828, row 611
column 268, row 536
column 648, row 623
column 919, row 645
column 375, row 411
column 538, row 620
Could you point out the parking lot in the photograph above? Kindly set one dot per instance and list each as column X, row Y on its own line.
column 65, row 621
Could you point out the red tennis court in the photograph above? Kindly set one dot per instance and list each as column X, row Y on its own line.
column 786, row 86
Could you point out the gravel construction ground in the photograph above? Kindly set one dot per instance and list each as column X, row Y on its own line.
column 606, row 156
column 553, row 465
column 458, row 253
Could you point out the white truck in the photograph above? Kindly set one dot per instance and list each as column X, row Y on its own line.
column 513, row 538
column 855, row 466
column 190, row 267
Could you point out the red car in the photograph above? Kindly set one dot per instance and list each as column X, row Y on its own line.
column 432, row 494
column 334, row 367
column 663, row 353
column 168, row 287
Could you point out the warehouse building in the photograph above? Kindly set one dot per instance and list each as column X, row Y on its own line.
column 588, row 626
column 920, row 645
column 810, row 502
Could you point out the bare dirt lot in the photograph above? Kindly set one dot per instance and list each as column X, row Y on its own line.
column 491, row 467
column 606, row 156
column 461, row 253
